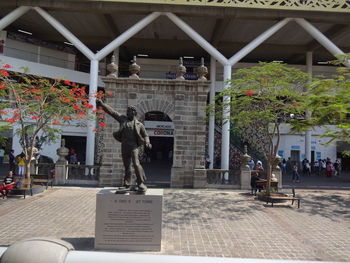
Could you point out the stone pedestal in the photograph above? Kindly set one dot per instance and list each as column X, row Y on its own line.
column 245, row 178
column 278, row 174
column 129, row 222
column 61, row 173
column 200, row 178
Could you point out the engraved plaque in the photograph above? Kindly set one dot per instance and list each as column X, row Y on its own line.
column 129, row 222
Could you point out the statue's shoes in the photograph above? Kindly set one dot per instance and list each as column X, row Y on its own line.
column 142, row 188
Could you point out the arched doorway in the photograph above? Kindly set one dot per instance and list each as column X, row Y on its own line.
column 158, row 161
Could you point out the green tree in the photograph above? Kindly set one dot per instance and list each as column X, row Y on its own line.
column 328, row 103
column 262, row 99
column 36, row 106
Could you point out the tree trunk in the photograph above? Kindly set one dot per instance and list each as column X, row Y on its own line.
column 268, row 177
column 27, row 169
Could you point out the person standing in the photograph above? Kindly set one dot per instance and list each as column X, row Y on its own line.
column 21, row 163
column 251, row 164
column 2, row 154
column 12, row 161
column 295, row 175
column 329, row 169
column 307, row 168
column 284, row 167
column 132, row 135
column 336, row 168
column 207, row 161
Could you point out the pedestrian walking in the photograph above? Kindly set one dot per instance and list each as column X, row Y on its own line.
column 12, row 161
column 329, row 169
column 2, row 154
column 295, row 175
column 21, row 163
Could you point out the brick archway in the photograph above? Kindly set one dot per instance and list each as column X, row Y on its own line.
column 155, row 104
column 182, row 100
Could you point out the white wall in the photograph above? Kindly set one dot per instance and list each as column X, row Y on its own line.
column 48, row 71
column 290, row 142
column 297, row 142
column 50, row 149
column 34, row 53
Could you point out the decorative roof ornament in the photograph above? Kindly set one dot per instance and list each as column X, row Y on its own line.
column 62, row 152
column 112, row 68
column 181, row 70
column 202, row 71
column 245, row 158
column 134, row 69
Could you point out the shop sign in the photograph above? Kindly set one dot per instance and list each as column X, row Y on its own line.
column 160, row 133
column 161, row 125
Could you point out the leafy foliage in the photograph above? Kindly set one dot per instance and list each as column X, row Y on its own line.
column 262, row 98
column 328, row 102
column 37, row 106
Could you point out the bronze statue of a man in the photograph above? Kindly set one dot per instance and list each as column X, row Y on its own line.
column 132, row 134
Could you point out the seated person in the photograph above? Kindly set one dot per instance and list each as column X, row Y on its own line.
column 8, row 184
column 275, row 181
column 254, row 178
column 273, row 178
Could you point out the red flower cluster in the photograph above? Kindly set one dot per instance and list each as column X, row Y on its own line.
column 4, row 73
column 249, row 93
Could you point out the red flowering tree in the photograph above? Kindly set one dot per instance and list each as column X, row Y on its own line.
column 262, row 99
column 38, row 106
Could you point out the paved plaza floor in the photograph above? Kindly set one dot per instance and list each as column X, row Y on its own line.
column 215, row 223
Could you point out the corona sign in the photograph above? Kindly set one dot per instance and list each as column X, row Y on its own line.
column 160, row 133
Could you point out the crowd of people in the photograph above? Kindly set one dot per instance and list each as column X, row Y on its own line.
column 320, row 167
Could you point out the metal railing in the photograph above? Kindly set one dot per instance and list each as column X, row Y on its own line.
column 44, row 168
column 83, row 172
column 223, row 177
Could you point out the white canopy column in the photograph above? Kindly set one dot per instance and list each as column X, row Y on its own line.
column 211, row 132
column 11, row 17
column 90, row 137
column 308, row 133
column 321, row 38
column 225, row 144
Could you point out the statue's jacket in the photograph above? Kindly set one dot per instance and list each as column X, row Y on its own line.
column 141, row 134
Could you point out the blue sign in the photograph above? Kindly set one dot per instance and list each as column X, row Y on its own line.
column 188, row 76
column 295, row 147
column 313, row 147
column 280, row 153
column 318, row 155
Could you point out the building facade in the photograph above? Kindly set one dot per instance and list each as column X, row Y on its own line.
column 227, row 34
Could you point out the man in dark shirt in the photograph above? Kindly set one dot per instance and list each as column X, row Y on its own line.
column 253, row 179
column 132, row 134
column 12, row 161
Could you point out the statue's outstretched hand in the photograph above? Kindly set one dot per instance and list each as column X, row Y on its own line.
column 148, row 146
column 98, row 102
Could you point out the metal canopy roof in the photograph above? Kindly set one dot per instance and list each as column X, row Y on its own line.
column 229, row 29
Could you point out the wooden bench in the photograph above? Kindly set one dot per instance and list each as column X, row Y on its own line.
column 280, row 197
column 261, row 185
column 27, row 185
column 42, row 179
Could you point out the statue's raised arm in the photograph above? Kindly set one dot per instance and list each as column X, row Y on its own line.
column 109, row 110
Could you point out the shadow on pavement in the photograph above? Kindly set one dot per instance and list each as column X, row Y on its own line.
column 81, row 243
